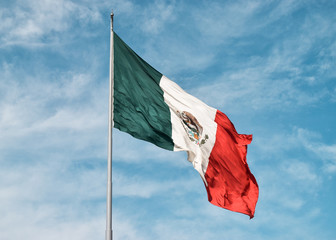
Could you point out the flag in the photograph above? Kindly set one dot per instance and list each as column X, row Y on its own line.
column 149, row 106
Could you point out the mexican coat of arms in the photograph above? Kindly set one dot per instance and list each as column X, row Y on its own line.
column 193, row 128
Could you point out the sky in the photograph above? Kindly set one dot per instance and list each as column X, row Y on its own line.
column 269, row 65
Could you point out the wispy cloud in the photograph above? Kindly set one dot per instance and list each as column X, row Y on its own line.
column 50, row 199
column 279, row 80
column 227, row 20
column 326, row 152
column 264, row 62
column 280, row 144
column 37, row 22
column 157, row 15
column 68, row 113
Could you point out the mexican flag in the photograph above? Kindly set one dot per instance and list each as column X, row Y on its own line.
column 149, row 106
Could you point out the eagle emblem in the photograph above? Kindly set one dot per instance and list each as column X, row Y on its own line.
column 193, row 128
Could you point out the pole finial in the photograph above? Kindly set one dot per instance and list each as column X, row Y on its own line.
column 112, row 14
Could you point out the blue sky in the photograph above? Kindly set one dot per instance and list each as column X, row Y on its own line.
column 269, row 65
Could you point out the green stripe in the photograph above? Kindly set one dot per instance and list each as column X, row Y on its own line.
column 139, row 107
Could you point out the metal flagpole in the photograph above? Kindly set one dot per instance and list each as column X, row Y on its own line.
column 109, row 232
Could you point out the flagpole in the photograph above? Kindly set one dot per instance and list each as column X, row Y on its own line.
column 109, row 232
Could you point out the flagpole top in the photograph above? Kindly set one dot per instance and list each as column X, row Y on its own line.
column 112, row 14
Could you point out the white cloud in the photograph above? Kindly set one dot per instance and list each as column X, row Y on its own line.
column 301, row 171
column 227, row 20
column 125, row 227
column 306, row 142
column 53, row 125
column 257, row 85
column 34, row 23
column 43, row 117
column 49, row 200
column 33, row 226
column 156, row 16
column 279, row 80
column 136, row 186
column 326, row 152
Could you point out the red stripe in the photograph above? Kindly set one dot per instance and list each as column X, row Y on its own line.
column 231, row 185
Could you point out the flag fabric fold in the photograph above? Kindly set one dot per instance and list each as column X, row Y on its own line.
column 149, row 106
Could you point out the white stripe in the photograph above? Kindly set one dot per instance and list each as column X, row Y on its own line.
column 178, row 101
